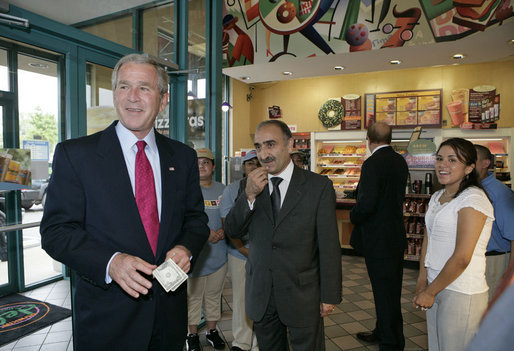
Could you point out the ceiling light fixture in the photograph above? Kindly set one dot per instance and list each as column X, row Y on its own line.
column 458, row 56
column 338, row 68
column 225, row 106
column 395, row 62
column 287, row 73
column 245, row 78
column 511, row 41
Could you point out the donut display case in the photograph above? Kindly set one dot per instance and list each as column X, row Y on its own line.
column 342, row 162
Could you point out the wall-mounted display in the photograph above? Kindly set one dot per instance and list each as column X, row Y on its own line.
column 274, row 112
column 404, row 109
column 352, row 112
column 331, row 113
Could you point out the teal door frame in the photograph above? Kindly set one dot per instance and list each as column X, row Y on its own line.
column 7, row 103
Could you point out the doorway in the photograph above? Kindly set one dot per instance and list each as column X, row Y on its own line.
column 31, row 83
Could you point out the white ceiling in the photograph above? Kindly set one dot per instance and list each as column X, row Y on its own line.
column 490, row 45
column 75, row 11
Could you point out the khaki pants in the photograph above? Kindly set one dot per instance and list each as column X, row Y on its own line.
column 205, row 290
column 494, row 270
column 453, row 320
column 242, row 326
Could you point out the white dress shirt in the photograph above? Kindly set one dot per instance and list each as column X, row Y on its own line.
column 286, row 175
column 129, row 148
column 380, row 147
column 128, row 145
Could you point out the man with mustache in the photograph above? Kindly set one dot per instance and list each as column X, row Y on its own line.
column 293, row 273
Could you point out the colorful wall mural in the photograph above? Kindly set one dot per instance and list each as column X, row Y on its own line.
column 260, row 31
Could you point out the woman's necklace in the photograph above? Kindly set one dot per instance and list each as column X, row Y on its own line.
column 447, row 196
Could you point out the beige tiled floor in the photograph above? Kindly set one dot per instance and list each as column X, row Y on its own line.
column 56, row 337
column 355, row 313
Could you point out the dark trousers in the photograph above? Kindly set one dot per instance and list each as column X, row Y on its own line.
column 386, row 276
column 272, row 333
column 162, row 339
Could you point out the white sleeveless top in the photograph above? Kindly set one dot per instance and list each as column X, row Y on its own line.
column 441, row 223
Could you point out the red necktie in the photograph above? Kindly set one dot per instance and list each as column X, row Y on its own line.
column 145, row 196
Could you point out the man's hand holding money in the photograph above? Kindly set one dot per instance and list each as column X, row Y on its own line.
column 181, row 256
column 169, row 275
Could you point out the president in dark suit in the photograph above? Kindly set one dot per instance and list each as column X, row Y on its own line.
column 379, row 234
column 293, row 272
column 119, row 203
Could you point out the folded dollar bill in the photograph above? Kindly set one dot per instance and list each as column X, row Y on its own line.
column 169, row 275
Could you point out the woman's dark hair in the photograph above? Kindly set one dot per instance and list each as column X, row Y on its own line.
column 467, row 154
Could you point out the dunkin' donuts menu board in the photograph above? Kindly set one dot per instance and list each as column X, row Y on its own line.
column 404, row 109
column 352, row 112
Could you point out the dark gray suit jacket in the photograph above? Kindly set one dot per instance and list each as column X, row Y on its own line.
column 298, row 258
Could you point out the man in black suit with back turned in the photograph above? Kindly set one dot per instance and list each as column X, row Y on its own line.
column 293, row 272
column 379, row 234
column 119, row 203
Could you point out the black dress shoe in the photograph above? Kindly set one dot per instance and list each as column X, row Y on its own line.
column 368, row 337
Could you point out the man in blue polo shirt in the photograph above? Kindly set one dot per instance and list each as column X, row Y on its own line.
column 498, row 254
column 242, row 326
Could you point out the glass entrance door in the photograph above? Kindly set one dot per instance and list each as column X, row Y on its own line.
column 7, row 272
column 31, row 83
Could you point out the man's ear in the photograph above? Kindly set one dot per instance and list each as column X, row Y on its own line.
column 290, row 144
column 485, row 163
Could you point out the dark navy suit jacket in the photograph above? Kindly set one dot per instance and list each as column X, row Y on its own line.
column 91, row 213
column 378, row 214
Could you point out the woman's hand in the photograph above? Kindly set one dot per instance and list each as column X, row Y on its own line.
column 424, row 300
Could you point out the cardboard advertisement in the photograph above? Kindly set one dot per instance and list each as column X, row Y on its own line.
column 15, row 173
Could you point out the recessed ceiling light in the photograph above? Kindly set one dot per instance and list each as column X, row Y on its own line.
column 511, row 41
column 458, row 56
column 287, row 73
column 395, row 62
column 38, row 65
column 338, row 68
column 245, row 78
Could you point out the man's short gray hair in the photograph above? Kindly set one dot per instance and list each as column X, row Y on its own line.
column 162, row 76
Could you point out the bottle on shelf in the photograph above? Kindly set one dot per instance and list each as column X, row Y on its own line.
column 406, row 205
column 428, row 183
column 412, row 225
column 419, row 227
column 408, row 186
